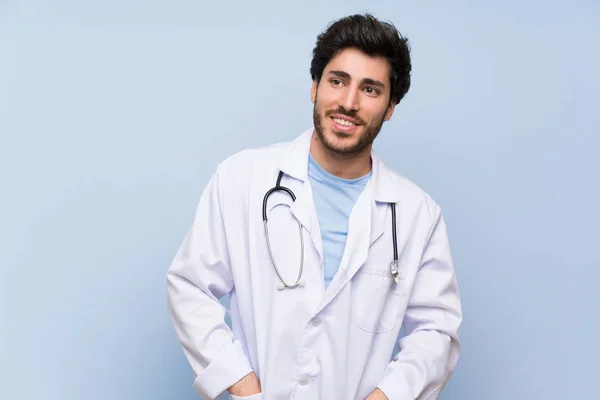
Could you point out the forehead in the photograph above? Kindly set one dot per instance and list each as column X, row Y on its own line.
column 360, row 65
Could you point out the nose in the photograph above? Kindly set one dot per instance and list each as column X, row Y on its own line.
column 350, row 99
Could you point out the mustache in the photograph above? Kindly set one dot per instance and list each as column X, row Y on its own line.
column 342, row 111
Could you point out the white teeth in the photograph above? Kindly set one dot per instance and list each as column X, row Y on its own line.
column 343, row 122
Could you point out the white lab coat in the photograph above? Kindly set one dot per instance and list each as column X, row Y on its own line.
column 310, row 343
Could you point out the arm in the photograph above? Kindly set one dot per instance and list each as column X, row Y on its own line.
column 429, row 351
column 198, row 277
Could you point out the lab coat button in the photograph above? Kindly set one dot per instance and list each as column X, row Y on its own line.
column 316, row 321
column 304, row 380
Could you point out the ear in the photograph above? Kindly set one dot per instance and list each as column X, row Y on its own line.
column 313, row 91
column 390, row 111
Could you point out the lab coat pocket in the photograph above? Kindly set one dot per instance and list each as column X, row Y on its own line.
column 381, row 299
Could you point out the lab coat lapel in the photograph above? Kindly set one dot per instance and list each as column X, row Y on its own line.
column 357, row 244
column 367, row 224
column 386, row 190
column 378, row 221
column 305, row 212
column 294, row 163
column 359, row 235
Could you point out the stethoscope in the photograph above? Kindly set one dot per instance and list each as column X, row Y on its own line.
column 299, row 281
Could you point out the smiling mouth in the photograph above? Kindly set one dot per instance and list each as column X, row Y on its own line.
column 343, row 122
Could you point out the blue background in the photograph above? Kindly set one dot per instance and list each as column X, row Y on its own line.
column 113, row 115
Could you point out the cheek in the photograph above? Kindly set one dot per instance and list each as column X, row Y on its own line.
column 326, row 100
column 321, row 108
column 375, row 113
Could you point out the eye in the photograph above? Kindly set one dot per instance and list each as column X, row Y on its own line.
column 371, row 90
column 336, row 82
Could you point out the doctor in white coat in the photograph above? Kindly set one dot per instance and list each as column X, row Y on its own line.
column 312, row 321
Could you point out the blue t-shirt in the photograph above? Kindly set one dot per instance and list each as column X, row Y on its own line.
column 334, row 199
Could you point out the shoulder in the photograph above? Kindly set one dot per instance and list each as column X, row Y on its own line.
column 240, row 166
column 412, row 194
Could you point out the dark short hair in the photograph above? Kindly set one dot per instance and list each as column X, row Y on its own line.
column 374, row 38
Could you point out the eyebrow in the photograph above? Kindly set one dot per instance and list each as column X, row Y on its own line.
column 368, row 81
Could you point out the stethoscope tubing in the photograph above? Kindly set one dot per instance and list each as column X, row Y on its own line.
column 278, row 187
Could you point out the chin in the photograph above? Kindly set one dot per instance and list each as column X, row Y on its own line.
column 341, row 142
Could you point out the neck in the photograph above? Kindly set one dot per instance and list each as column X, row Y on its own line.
column 345, row 166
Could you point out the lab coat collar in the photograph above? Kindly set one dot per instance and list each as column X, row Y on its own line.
column 294, row 163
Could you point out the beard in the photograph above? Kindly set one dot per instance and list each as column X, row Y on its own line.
column 371, row 131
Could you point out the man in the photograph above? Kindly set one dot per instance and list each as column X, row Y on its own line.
column 324, row 271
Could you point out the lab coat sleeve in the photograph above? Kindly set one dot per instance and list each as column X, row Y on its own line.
column 198, row 276
column 430, row 348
